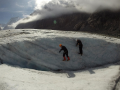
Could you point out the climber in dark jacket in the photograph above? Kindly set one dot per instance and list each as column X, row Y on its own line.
column 65, row 52
column 1, row 61
column 80, row 46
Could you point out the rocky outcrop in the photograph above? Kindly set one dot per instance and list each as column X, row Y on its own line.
column 103, row 22
column 64, row 22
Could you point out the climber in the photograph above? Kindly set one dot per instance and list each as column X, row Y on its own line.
column 80, row 46
column 65, row 52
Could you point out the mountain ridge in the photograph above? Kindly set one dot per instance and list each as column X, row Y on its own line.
column 105, row 22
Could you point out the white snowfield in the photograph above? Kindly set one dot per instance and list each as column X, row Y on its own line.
column 22, row 51
column 39, row 49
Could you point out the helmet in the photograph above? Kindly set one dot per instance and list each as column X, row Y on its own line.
column 60, row 45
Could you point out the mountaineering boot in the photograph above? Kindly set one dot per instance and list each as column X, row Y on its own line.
column 64, row 59
column 80, row 54
column 68, row 59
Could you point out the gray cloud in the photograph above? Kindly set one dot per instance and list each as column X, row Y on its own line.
column 80, row 5
column 50, row 8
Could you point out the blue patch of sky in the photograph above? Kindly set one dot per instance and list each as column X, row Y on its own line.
column 15, row 8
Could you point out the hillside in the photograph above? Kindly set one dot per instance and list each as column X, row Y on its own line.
column 31, row 61
column 11, row 21
column 103, row 22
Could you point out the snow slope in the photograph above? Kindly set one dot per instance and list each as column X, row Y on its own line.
column 13, row 78
column 39, row 49
column 23, row 51
column 2, row 26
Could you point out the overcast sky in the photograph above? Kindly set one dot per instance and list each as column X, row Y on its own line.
column 22, row 8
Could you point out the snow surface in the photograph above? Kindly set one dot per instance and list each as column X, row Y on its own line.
column 31, row 58
column 39, row 49
column 13, row 78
